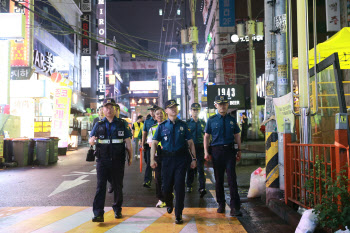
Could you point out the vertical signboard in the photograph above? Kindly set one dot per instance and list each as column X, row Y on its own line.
column 4, row 71
column 21, row 50
column 61, row 114
column 1, row 146
column 85, row 41
column 86, row 71
column 101, row 25
column 86, row 6
column 101, row 69
column 229, row 68
column 333, row 15
column 227, row 13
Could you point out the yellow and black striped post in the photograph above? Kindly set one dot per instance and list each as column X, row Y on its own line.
column 272, row 171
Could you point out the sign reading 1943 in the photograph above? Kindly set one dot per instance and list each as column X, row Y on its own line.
column 235, row 94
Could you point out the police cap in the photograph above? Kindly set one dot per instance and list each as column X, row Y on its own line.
column 109, row 101
column 170, row 103
column 195, row 106
column 153, row 107
column 221, row 99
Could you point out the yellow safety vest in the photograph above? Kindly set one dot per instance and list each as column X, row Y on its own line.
column 137, row 129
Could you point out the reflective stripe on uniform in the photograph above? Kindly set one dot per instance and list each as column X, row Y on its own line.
column 107, row 141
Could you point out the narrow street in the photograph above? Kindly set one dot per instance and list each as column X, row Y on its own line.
column 58, row 198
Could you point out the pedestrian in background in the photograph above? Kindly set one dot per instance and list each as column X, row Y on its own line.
column 173, row 134
column 145, row 147
column 136, row 128
column 100, row 116
column 244, row 120
column 225, row 135
column 160, row 116
column 196, row 126
column 111, row 136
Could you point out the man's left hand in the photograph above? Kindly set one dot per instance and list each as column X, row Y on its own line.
column 193, row 164
column 238, row 156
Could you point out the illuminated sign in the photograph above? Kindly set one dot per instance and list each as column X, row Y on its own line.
column 4, row 71
column 229, row 68
column 44, row 62
column 61, row 114
column 86, row 71
column 144, row 86
column 20, row 73
column 101, row 69
column 86, row 6
column 235, row 94
column 227, row 13
column 101, row 27
column 85, row 41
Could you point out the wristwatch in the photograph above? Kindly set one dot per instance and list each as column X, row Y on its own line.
column 194, row 159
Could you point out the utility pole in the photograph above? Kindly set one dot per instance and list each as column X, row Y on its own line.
column 252, row 73
column 185, row 80
column 193, row 38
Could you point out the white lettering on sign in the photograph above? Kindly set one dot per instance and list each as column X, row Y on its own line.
column 44, row 62
column 230, row 92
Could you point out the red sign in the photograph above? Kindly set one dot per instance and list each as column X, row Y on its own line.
column 229, row 68
column 85, row 41
column 21, row 50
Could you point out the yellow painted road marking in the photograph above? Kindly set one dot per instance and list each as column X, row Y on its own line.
column 6, row 211
column 213, row 193
column 45, row 219
column 110, row 221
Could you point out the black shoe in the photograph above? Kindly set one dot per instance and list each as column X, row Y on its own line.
column 147, row 184
column 170, row 209
column 98, row 218
column 221, row 209
column 118, row 214
column 179, row 220
column 202, row 192
column 235, row 212
column 188, row 190
column 110, row 189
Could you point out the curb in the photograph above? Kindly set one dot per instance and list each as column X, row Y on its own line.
column 284, row 212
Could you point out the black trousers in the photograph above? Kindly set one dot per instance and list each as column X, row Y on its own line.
column 173, row 176
column 158, row 178
column 200, row 168
column 113, row 169
column 224, row 159
column 148, row 170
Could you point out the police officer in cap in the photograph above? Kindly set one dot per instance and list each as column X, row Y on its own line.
column 149, row 122
column 225, row 134
column 173, row 134
column 196, row 126
column 111, row 135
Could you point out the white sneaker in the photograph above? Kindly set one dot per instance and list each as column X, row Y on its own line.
column 160, row 204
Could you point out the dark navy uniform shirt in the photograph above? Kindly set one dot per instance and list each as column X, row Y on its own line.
column 172, row 136
column 110, row 127
column 148, row 124
column 222, row 129
column 197, row 130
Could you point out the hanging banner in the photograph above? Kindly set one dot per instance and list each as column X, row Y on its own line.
column 61, row 114
column 101, row 69
column 101, row 26
column 283, row 111
column 21, row 50
column 227, row 13
column 229, row 68
column 85, row 41
column 333, row 15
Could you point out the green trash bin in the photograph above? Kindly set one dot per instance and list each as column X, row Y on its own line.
column 20, row 151
column 42, row 150
column 53, row 156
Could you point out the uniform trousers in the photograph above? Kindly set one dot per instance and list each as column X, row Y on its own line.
column 158, row 178
column 114, row 169
column 148, row 170
column 173, row 176
column 224, row 159
column 200, row 168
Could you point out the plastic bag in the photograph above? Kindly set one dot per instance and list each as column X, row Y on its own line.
column 257, row 183
column 341, row 231
column 307, row 222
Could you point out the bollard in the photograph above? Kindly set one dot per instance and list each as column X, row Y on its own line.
column 140, row 160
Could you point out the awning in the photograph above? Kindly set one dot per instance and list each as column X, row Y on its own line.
column 338, row 43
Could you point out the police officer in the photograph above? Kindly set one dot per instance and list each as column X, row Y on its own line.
column 111, row 134
column 173, row 134
column 225, row 133
column 197, row 129
column 147, row 125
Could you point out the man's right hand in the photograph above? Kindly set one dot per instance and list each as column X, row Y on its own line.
column 153, row 164
column 207, row 157
column 92, row 140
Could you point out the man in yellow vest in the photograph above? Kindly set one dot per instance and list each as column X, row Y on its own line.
column 136, row 128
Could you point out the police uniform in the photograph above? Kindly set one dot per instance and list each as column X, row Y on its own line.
column 175, row 160
column 223, row 129
column 149, row 122
column 197, row 131
column 110, row 162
